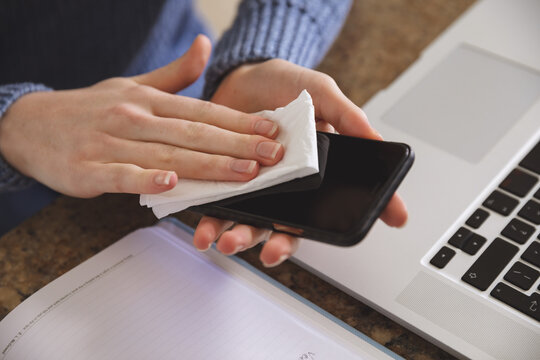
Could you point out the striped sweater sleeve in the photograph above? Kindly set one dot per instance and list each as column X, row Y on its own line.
column 300, row 31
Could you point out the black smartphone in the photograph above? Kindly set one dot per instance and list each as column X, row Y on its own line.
column 338, row 205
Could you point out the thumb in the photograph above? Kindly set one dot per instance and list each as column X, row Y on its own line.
column 183, row 71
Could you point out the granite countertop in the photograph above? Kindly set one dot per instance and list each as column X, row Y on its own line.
column 379, row 40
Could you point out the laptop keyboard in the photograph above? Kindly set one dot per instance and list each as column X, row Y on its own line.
column 515, row 192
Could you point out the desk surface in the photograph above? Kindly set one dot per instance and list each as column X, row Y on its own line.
column 379, row 40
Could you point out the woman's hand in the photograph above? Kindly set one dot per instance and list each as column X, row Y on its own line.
column 268, row 85
column 133, row 135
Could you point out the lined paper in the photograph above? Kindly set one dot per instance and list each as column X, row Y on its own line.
column 154, row 297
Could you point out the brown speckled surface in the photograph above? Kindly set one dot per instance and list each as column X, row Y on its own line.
column 380, row 39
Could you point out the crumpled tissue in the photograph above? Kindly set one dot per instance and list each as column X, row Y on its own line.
column 296, row 133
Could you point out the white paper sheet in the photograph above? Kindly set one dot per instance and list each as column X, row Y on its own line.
column 152, row 296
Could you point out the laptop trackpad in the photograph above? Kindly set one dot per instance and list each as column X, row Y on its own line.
column 467, row 102
column 469, row 319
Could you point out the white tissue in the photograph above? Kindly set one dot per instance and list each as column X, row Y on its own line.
column 296, row 133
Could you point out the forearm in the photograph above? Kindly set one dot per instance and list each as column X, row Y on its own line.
column 300, row 31
column 10, row 178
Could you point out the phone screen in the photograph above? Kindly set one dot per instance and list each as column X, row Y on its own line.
column 359, row 178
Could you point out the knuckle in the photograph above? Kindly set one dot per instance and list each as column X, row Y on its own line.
column 121, row 110
column 194, row 131
column 120, row 186
column 213, row 167
column 83, row 152
column 112, row 82
column 328, row 81
column 91, row 148
column 119, row 182
column 166, row 156
column 76, row 184
column 139, row 92
column 127, row 113
column 206, row 108
column 210, row 165
column 218, row 167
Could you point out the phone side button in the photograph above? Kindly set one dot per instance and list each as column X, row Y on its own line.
column 288, row 229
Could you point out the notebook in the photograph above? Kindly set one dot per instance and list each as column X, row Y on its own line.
column 464, row 272
column 151, row 295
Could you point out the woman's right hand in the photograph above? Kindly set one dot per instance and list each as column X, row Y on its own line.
column 134, row 135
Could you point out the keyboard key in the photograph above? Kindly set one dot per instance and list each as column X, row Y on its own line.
column 518, row 183
column 459, row 238
column 477, row 218
column 531, row 212
column 489, row 264
column 518, row 231
column 537, row 194
column 532, row 254
column 532, row 160
column 521, row 275
column 473, row 244
column 442, row 257
column 528, row 305
column 501, row 203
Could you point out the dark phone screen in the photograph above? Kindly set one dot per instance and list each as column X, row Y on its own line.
column 357, row 172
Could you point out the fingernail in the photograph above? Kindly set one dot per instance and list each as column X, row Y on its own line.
column 238, row 248
column 203, row 250
column 265, row 127
column 281, row 259
column 268, row 149
column 243, row 166
column 163, row 178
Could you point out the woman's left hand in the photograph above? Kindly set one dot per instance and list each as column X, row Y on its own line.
column 268, row 85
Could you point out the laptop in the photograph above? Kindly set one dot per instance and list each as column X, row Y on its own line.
column 464, row 271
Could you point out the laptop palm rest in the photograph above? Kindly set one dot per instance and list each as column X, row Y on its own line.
column 452, row 310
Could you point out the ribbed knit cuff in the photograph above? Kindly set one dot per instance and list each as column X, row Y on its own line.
column 300, row 31
column 10, row 178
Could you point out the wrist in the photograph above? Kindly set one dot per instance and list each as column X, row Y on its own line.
column 233, row 76
column 12, row 92
column 12, row 178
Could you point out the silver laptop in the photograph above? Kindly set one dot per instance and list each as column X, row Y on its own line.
column 464, row 272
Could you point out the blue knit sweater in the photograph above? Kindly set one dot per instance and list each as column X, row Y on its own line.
column 62, row 44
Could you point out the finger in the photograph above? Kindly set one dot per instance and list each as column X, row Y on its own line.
column 172, row 106
column 125, row 178
column 278, row 249
column 324, row 126
column 183, row 71
column 347, row 118
column 241, row 237
column 199, row 137
column 187, row 164
column 395, row 213
column 208, row 231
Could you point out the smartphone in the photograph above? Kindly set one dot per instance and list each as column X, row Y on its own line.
column 338, row 205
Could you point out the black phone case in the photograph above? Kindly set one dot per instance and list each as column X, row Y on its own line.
column 218, row 209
